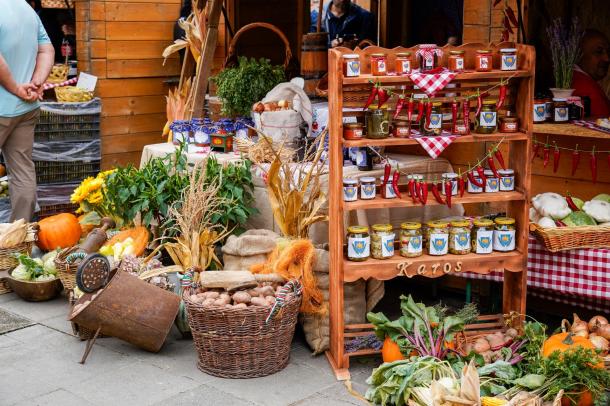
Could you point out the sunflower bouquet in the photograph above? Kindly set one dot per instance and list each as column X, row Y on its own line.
column 89, row 195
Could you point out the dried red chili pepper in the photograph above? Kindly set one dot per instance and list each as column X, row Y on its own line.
column 571, row 203
column 575, row 159
column 395, row 179
column 466, row 114
column 461, row 184
column 399, row 105
column 492, row 165
column 499, row 157
column 421, row 106
column 448, row 192
column 423, row 192
column 416, row 191
column 474, row 180
column 480, row 98
column 502, row 95
column 428, row 113
column 535, row 149
column 556, row 156
column 387, row 169
column 435, row 192
column 372, row 96
column 411, row 189
column 410, row 106
column 383, row 96
column 593, row 164
column 481, row 174
column 454, row 115
column 546, row 154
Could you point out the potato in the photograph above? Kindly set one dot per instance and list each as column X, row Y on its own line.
column 200, row 295
column 258, row 107
column 270, row 300
column 240, row 306
column 212, row 295
column 258, row 301
column 267, row 291
column 219, row 302
column 254, row 292
column 228, row 306
column 241, row 297
column 208, row 302
column 194, row 298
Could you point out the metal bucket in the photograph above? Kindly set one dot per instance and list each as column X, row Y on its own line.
column 130, row 309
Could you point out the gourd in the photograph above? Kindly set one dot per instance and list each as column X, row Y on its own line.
column 391, row 351
column 138, row 234
column 58, row 231
column 563, row 342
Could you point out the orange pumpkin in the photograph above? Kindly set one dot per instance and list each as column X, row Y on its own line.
column 566, row 341
column 585, row 399
column 138, row 234
column 2, row 170
column 390, row 351
column 58, row 231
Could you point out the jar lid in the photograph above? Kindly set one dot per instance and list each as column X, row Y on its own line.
column 457, row 52
column 350, row 56
column 379, row 55
column 427, row 46
column 400, row 122
column 508, row 50
column 367, row 179
column 450, row 175
column 483, row 51
column 410, row 226
column 488, row 173
column 350, row 181
column 403, row 54
column 559, row 99
column 353, row 125
column 382, row 227
column 504, row 221
column 357, row 229
column 489, row 102
column 437, row 104
column 510, row 119
column 438, row 224
column 460, row 223
column 506, row 172
column 483, row 222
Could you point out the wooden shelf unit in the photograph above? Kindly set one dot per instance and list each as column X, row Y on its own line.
column 352, row 92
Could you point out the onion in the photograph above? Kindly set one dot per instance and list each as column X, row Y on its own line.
column 578, row 326
column 596, row 322
column 481, row 345
column 581, row 333
column 600, row 343
column 603, row 331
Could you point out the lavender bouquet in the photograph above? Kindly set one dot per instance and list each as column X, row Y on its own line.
column 565, row 50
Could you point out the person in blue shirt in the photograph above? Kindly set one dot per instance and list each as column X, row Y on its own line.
column 26, row 58
column 346, row 23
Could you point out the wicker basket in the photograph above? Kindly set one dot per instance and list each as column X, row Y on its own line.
column 8, row 262
column 236, row 343
column 72, row 94
column 570, row 238
column 57, row 3
column 66, row 270
column 4, row 286
column 59, row 73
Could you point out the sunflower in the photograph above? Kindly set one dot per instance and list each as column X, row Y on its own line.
column 95, row 198
column 81, row 192
column 105, row 174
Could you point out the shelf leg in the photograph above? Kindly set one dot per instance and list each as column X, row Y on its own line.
column 342, row 374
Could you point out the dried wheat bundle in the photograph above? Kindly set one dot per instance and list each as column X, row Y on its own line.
column 260, row 152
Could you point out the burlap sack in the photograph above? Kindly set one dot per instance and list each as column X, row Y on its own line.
column 250, row 248
column 316, row 328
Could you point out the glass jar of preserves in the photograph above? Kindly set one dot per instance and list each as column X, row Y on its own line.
column 400, row 128
column 460, row 127
column 447, row 117
column 453, row 178
column 483, row 61
column 560, row 110
column 438, row 237
column 509, row 124
column 482, row 236
column 486, row 122
column 507, row 180
column 509, row 58
column 367, row 188
column 459, row 237
column 403, row 63
column 382, row 241
column 539, row 110
column 492, row 184
column 433, row 126
column 181, row 132
column 377, row 123
column 353, row 131
column 472, row 188
column 456, row 61
column 350, row 190
column 351, row 65
column 504, row 234
column 427, row 57
column 364, row 159
column 379, row 65
column 358, row 243
column 387, row 192
column 411, row 241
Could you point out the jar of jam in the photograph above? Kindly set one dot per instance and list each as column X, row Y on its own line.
column 472, row 188
column 353, row 131
column 560, row 110
column 459, row 237
column 364, row 159
column 482, row 236
column 387, row 192
column 539, row 110
column 509, row 124
column 447, row 117
column 379, row 66
column 367, row 188
column 350, row 190
column 403, row 63
column 509, row 58
column 400, row 128
column 411, row 241
column 492, row 184
column 181, row 132
column 460, row 127
column 483, row 61
column 504, row 234
column 507, row 180
column 358, row 243
column 453, row 178
column 456, row 61
column 427, row 57
column 486, row 122
column 382, row 241
column 377, row 123
column 435, row 125
column 351, row 65
column 438, row 237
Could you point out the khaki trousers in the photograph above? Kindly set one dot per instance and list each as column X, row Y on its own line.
column 16, row 143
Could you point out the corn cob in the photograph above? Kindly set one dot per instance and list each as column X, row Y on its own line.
column 490, row 401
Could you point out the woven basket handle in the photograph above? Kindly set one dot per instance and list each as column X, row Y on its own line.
column 250, row 26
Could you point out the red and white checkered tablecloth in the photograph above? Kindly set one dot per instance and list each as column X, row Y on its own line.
column 432, row 82
column 578, row 277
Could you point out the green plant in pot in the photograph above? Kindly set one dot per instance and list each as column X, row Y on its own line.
column 241, row 86
column 564, row 42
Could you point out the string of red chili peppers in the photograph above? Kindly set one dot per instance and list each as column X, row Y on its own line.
column 418, row 190
column 576, row 155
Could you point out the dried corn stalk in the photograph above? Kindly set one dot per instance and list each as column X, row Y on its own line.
column 178, row 106
column 13, row 234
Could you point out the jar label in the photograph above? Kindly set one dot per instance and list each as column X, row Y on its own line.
column 454, row 188
column 492, row 185
column 414, row 245
column 539, row 112
column 487, row 118
column 510, row 126
column 436, row 121
column 357, row 133
column 350, row 193
column 405, row 66
column 438, row 244
column 361, row 156
column 484, row 62
column 561, row 114
column 483, row 243
column 504, row 240
column 367, row 191
column 509, row 62
column 461, row 241
column 402, row 131
column 353, row 68
column 472, row 188
column 428, row 61
column 180, row 137
column 459, row 63
column 381, row 65
column 507, row 183
column 387, row 245
column 202, row 137
column 389, row 191
column 358, row 247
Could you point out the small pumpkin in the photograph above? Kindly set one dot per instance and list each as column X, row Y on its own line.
column 139, row 235
column 565, row 341
column 390, row 351
column 59, row 231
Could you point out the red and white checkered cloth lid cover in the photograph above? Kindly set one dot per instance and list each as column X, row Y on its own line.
column 436, row 144
column 432, row 82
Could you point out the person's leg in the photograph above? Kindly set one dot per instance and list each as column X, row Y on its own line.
column 17, row 150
